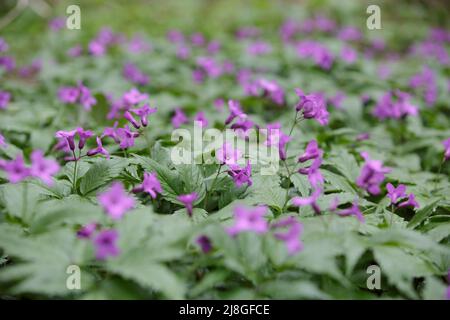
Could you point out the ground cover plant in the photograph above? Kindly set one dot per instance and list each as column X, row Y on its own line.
column 334, row 186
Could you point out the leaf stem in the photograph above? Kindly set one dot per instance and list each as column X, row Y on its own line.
column 75, row 172
column 212, row 186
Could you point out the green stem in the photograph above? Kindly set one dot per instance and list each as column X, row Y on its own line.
column 436, row 179
column 25, row 201
column 75, row 168
column 212, row 186
column 392, row 214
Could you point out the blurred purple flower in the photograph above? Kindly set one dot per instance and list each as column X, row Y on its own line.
column 205, row 243
column 312, row 106
column 227, row 154
column 395, row 194
column 75, row 51
column 352, row 211
column 395, row 105
column 8, row 63
column 150, row 184
column 251, row 219
column 43, row 168
column 87, row 231
column 126, row 137
column 349, row 55
column 372, row 174
column 446, row 144
column 5, row 98
column 201, row 118
column 241, row 175
column 235, row 111
column 3, row 45
column 179, row 118
column 259, row 48
column 312, row 151
column 106, row 244
column 410, row 202
column 99, row 149
column 115, row 201
column 132, row 73
column 143, row 113
column 309, row 201
column 187, row 200
column 16, row 169
column 57, row 24
column 291, row 237
column 2, row 141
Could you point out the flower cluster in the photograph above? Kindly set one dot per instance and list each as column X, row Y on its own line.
column 79, row 94
column 41, row 168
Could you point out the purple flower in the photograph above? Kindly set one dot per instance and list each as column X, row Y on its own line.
column 183, row 52
column 363, row 136
column 410, row 202
column 282, row 142
column 316, row 51
column 395, row 194
column 352, row 211
column 132, row 73
column 16, row 169
column 87, row 231
column 106, row 244
column 312, row 151
column 96, row 48
column 86, row 98
column 3, row 45
column 198, row 39
column 219, row 103
column 68, row 137
column 309, row 201
column 213, row 47
column 2, row 141
column 143, row 113
column 201, row 118
column 205, row 243
column 83, row 136
column 259, row 48
column 133, row 97
column 446, row 144
column 349, row 55
column 151, row 185
column 128, row 116
column 43, row 168
column 227, row 154
column 57, row 23
column 372, row 175
column 349, row 34
column 394, row 105
column 75, row 51
column 314, row 176
column 273, row 90
column 5, row 97
column 291, row 236
column 187, row 200
column 179, row 118
column 8, row 63
column 68, row 94
column 175, row 36
column 111, row 132
column 235, row 111
column 115, row 201
column 241, row 175
column 126, row 137
column 249, row 220
column 313, row 106
column 99, row 149
column 137, row 45
column 241, row 127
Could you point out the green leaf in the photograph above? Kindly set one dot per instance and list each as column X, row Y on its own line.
column 100, row 173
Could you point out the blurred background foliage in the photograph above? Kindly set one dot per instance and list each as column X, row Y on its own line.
column 402, row 21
